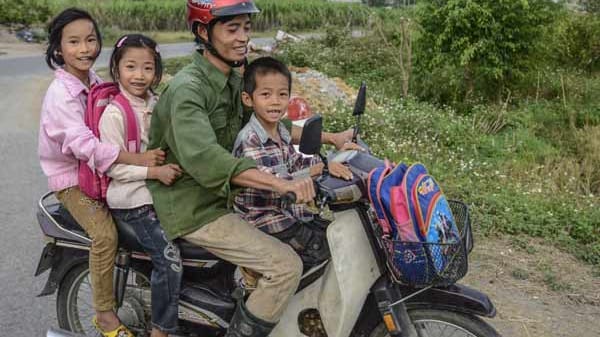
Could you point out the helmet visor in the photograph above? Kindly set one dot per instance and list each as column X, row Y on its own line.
column 239, row 9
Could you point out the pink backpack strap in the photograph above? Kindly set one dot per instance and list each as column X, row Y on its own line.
column 132, row 131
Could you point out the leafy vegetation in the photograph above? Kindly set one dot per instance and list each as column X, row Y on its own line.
column 488, row 41
column 528, row 162
column 24, row 12
column 144, row 15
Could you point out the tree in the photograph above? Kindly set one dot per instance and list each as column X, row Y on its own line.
column 24, row 12
column 489, row 40
column 592, row 6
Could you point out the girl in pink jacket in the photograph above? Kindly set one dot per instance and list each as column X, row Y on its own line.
column 74, row 43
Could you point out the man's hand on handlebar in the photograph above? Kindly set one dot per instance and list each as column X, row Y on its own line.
column 304, row 189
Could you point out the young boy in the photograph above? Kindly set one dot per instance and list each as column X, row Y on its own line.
column 267, row 86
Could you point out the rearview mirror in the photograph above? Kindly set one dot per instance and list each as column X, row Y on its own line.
column 361, row 98
column 310, row 142
column 359, row 109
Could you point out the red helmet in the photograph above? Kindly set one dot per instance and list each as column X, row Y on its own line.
column 204, row 11
column 298, row 109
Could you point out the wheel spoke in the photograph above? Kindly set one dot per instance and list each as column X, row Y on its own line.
column 436, row 328
column 80, row 310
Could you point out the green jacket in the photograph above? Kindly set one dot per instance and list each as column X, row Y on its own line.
column 196, row 122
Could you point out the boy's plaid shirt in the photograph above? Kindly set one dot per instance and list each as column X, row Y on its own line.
column 263, row 208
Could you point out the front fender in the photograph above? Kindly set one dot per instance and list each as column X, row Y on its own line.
column 457, row 297
column 60, row 260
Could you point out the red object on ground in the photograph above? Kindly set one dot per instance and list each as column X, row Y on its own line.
column 298, row 109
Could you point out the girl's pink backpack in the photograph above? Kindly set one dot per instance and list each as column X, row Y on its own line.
column 92, row 183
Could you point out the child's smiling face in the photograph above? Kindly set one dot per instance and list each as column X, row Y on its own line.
column 79, row 47
column 137, row 70
column 270, row 98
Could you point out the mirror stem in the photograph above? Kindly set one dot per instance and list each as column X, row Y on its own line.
column 356, row 129
column 325, row 167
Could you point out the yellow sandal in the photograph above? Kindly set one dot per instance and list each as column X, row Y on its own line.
column 120, row 331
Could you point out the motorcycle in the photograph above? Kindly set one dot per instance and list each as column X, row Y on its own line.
column 353, row 293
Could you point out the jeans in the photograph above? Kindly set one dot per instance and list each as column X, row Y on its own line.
column 166, row 261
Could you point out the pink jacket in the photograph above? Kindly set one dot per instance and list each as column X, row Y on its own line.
column 64, row 139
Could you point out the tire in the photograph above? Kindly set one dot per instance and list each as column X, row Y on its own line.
column 440, row 323
column 74, row 308
column 62, row 297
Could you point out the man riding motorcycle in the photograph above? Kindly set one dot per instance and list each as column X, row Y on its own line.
column 196, row 122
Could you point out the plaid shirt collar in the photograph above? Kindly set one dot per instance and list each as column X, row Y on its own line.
column 262, row 133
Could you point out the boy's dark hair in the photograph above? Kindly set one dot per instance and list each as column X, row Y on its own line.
column 55, row 28
column 262, row 66
column 135, row 41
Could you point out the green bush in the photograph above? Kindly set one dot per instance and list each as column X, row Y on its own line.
column 24, row 12
column 354, row 59
column 487, row 42
column 576, row 42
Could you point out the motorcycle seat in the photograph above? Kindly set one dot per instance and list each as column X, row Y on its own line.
column 128, row 240
column 127, row 236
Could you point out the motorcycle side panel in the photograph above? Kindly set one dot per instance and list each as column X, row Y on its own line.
column 352, row 272
column 305, row 299
column 340, row 293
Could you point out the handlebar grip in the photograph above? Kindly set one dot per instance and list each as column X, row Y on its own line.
column 288, row 198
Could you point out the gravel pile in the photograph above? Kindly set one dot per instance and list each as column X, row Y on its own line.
column 321, row 92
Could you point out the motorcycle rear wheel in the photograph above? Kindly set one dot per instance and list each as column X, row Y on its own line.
column 440, row 323
column 74, row 302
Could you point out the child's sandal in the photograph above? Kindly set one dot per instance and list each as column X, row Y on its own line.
column 120, row 331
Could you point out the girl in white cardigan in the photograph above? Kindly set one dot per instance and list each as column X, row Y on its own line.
column 136, row 65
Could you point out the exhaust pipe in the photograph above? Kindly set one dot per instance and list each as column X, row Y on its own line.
column 52, row 332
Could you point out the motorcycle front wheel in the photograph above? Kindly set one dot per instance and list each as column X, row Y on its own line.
column 74, row 302
column 440, row 323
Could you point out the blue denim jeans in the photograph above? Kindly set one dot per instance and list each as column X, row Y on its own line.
column 166, row 261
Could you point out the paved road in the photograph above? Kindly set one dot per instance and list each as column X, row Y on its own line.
column 23, row 82
column 36, row 65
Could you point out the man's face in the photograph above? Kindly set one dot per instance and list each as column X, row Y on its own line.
column 230, row 39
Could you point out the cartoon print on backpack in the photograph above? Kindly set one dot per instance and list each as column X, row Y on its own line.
column 416, row 220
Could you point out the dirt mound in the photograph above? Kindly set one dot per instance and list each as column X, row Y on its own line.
column 319, row 90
